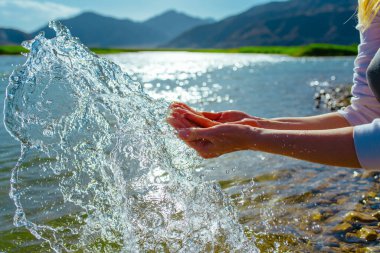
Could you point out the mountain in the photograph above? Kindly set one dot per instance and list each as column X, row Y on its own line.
column 173, row 23
column 99, row 31
column 12, row 36
column 96, row 30
column 294, row 22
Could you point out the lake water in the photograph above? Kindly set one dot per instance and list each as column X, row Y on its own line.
column 277, row 198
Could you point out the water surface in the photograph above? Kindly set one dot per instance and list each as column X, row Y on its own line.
column 276, row 197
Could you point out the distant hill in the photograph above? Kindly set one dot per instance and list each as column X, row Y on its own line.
column 294, row 22
column 173, row 23
column 12, row 36
column 96, row 30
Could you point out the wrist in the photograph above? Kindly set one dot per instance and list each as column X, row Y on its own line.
column 255, row 136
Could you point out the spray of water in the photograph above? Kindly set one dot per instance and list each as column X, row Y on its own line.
column 100, row 170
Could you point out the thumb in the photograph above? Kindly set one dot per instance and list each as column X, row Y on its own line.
column 212, row 115
column 194, row 134
column 247, row 122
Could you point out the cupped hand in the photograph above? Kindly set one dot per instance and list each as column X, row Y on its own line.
column 221, row 117
column 182, row 118
column 219, row 140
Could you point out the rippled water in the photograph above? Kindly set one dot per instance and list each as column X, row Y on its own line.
column 109, row 174
column 101, row 171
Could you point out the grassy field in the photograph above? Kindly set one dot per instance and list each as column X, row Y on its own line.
column 12, row 50
column 296, row 51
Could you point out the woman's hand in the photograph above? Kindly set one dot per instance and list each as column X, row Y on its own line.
column 181, row 111
column 219, row 140
column 221, row 117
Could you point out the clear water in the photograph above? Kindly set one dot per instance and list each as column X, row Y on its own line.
column 101, row 171
column 108, row 173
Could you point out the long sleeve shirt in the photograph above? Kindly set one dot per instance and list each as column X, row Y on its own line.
column 364, row 111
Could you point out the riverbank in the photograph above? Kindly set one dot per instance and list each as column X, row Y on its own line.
column 295, row 51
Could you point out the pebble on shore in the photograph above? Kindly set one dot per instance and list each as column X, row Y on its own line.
column 356, row 216
column 332, row 98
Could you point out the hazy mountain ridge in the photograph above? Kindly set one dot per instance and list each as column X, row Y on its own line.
column 294, row 22
column 100, row 31
column 12, row 36
column 173, row 23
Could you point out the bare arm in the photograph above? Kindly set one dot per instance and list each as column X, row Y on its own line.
column 332, row 147
column 325, row 139
column 320, row 122
column 208, row 119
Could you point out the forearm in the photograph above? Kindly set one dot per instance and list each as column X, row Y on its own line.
column 332, row 147
column 320, row 122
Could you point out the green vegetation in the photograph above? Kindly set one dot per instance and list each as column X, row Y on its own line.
column 115, row 50
column 12, row 50
column 296, row 51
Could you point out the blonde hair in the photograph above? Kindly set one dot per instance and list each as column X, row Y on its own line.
column 367, row 11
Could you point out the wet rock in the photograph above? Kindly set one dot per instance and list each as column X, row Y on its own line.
column 317, row 216
column 367, row 234
column 371, row 194
column 369, row 250
column 356, row 216
column 316, row 229
column 331, row 242
column 375, row 206
column 377, row 215
column 371, row 174
column 343, row 228
column 324, row 202
column 332, row 98
column 342, row 200
column 353, row 238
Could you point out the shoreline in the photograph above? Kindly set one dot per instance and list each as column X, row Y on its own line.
column 294, row 51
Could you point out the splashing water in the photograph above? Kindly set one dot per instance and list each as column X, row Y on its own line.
column 100, row 170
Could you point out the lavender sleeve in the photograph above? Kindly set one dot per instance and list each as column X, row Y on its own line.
column 367, row 136
column 367, row 144
column 364, row 111
column 373, row 75
column 364, row 106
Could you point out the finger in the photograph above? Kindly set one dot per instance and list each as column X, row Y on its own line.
column 195, row 134
column 179, row 105
column 212, row 115
column 230, row 116
column 196, row 119
column 176, row 104
column 247, row 122
column 179, row 121
column 199, row 120
column 181, row 111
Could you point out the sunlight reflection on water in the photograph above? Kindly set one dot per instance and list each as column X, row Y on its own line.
column 276, row 194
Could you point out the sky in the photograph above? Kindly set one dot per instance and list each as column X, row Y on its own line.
column 29, row 15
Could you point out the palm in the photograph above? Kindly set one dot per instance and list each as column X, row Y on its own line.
column 220, row 117
column 228, row 116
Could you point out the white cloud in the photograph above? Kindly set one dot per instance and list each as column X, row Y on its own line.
column 49, row 8
column 28, row 15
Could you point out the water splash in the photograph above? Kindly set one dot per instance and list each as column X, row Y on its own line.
column 100, row 170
